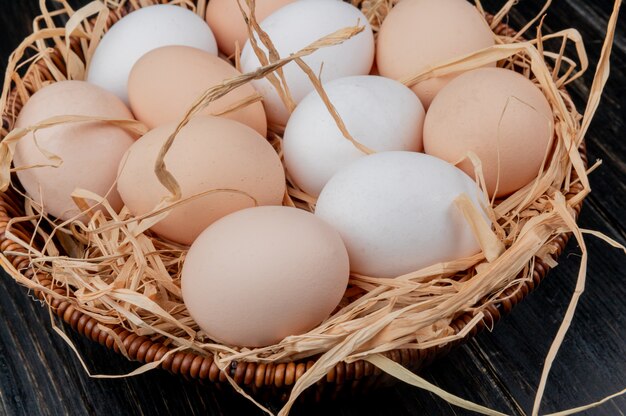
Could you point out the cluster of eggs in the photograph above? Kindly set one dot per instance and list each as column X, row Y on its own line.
column 258, row 271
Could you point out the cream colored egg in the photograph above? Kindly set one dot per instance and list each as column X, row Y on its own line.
column 165, row 83
column 262, row 274
column 418, row 34
column 210, row 153
column 90, row 151
column 225, row 19
column 500, row 116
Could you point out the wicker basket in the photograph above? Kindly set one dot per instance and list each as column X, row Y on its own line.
column 273, row 380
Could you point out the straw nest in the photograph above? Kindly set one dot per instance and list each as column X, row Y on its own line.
column 119, row 284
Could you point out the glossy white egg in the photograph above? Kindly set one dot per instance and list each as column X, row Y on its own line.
column 380, row 113
column 140, row 32
column 396, row 214
column 296, row 26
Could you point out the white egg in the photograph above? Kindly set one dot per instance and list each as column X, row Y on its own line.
column 140, row 32
column 378, row 112
column 395, row 212
column 296, row 26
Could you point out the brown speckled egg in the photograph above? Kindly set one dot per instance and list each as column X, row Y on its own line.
column 499, row 115
column 209, row 153
column 165, row 83
column 228, row 25
column 262, row 274
column 418, row 34
column 90, row 151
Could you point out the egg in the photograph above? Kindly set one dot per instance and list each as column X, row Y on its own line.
column 209, row 153
column 262, row 274
column 140, row 32
column 499, row 115
column 419, row 34
column 166, row 81
column 296, row 26
column 378, row 112
column 228, row 25
column 90, row 151
column 395, row 212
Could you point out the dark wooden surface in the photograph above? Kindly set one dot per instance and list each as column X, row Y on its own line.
column 39, row 373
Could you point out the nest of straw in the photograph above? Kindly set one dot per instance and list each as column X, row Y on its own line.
column 120, row 285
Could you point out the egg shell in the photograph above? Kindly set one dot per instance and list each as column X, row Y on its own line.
column 395, row 212
column 418, row 34
column 167, row 81
column 296, row 26
column 378, row 112
column 209, row 153
column 262, row 274
column 140, row 32
column 228, row 25
column 90, row 151
column 499, row 115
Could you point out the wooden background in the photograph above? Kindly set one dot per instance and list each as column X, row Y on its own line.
column 39, row 373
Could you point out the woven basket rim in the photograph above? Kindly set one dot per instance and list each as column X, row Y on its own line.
column 251, row 374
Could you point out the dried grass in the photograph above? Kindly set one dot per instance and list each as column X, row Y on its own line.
column 120, row 274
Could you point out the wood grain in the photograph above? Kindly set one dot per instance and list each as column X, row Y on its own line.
column 40, row 375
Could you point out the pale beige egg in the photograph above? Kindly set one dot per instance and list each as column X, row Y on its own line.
column 225, row 19
column 262, row 274
column 500, row 116
column 419, row 34
column 209, row 154
column 89, row 151
column 167, row 81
